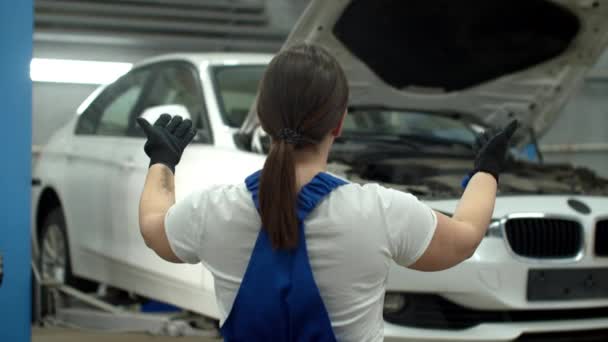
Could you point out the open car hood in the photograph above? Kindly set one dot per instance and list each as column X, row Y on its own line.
column 488, row 60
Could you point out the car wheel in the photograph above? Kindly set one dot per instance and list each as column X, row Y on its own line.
column 54, row 262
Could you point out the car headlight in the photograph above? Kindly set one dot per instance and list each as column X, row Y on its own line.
column 393, row 303
column 494, row 230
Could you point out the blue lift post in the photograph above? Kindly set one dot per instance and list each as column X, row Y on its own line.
column 16, row 26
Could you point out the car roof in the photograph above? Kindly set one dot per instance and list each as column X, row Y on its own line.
column 210, row 58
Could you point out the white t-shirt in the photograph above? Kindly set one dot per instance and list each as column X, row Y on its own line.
column 353, row 235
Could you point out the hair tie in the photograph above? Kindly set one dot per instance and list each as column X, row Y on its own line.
column 290, row 136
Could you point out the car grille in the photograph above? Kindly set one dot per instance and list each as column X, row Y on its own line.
column 429, row 311
column 544, row 237
column 601, row 238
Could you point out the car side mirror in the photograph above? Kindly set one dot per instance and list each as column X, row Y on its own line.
column 260, row 141
column 151, row 114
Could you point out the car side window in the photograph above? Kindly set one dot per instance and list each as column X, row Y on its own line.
column 109, row 113
column 236, row 88
column 176, row 84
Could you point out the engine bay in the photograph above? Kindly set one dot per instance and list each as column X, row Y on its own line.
column 441, row 177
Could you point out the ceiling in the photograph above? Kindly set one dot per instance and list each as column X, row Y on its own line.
column 157, row 25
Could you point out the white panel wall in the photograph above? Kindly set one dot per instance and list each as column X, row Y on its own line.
column 583, row 125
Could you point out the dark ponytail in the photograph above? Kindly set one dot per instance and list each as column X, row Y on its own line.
column 278, row 196
column 304, row 94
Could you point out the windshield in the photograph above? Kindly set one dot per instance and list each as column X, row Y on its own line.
column 404, row 125
column 236, row 87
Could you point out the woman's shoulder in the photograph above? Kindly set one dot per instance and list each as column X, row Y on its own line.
column 364, row 189
column 361, row 198
column 372, row 195
column 222, row 193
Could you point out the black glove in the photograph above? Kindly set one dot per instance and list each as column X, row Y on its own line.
column 492, row 154
column 167, row 139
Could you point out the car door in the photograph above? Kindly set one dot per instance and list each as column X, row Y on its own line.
column 91, row 165
column 174, row 84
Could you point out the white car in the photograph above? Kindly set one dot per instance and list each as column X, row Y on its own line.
column 425, row 78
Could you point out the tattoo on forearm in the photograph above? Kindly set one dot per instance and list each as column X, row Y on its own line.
column 166, row 180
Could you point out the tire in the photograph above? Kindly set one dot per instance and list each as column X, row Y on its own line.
column 54, row 260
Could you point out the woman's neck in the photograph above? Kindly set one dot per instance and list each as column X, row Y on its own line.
column 309, row 162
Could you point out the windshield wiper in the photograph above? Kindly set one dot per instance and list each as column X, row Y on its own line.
column 385, row 140
column 411, row 140
column 432, row 140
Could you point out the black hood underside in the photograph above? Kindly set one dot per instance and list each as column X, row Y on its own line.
column 453, row 45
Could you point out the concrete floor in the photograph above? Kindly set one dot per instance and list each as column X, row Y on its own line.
column 52, row 334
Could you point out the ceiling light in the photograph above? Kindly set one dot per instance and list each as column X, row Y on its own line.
column 76, row 71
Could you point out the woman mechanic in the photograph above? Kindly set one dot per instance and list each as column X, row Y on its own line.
column 296, row 253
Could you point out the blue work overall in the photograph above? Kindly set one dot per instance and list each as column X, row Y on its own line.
column 278, row 299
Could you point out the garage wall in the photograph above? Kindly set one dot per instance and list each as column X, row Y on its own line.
column 283, row 14
column 580, row 134
column 131, row 30
column 53, row 105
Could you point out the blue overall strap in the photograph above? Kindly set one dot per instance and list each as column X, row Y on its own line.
column 278, row 299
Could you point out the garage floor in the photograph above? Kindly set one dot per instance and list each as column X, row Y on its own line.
column 52, row 334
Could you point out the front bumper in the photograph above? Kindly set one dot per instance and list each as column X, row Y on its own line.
column 584, row 330
column 486, row 297
column 492, row 280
